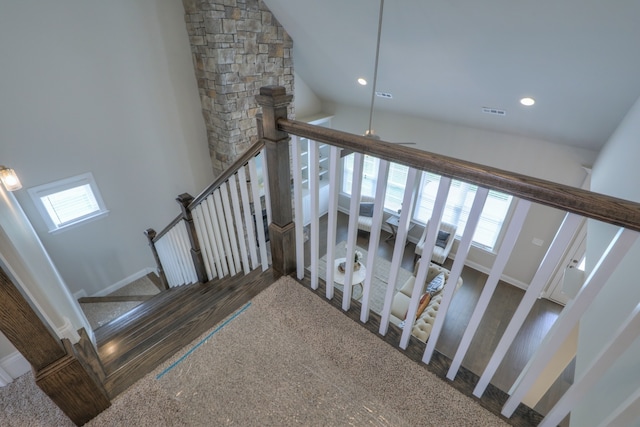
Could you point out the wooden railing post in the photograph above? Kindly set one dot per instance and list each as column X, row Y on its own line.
column 59, row 372
column 274, row 102
column 196, row 255
column 151, row 235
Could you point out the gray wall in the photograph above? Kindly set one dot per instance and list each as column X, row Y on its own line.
column 615, row 173
column 108, row 88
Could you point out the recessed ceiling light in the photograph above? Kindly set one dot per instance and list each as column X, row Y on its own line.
column 527, row 101
column 362, row 81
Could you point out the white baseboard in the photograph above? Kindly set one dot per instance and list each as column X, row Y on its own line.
column 67, row 331
column 80, row 294
column 124, row 282
column 507, row 279
column 12, row 367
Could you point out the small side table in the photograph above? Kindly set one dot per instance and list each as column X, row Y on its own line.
column 394, row 222
column 356, row 280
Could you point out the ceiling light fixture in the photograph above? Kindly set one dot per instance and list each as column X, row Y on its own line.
column 362, row 81
column 527, row 101
column 9, row 179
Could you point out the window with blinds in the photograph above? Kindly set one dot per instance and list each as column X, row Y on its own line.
column 458, row 204
column 68, row 202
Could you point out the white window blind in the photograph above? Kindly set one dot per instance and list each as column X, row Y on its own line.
column 70, row 205
column 68, row 202
column 458, row 205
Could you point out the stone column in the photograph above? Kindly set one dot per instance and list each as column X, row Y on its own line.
column 238, row 47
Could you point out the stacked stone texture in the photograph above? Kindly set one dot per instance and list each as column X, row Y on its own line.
column 238, row 47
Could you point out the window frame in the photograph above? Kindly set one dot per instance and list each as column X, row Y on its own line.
column 416, row 220
column 36, row 193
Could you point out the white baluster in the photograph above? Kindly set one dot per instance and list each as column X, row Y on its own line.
column 314, row 198
column 427, row 249
column 374, row 237
column 334, row 183
column 570, row 316
column 297, row 200
column 456, row 271
column 265, row 180
column 240, row 226
column 228, row 214
column 224, row 231
column 513, row 231
column 352, row 234
column 410, row 191
column 217, row 235
column 204, row 241
column 257, row 210
column 548, row 265
column 619, row 343
column 248, row 219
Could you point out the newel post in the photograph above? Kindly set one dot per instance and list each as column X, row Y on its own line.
column 274, row 102
column 151, row 235
column 196, row 255
column 59, row 370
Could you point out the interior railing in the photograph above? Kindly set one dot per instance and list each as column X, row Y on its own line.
column 221, row 231
column 196, row 247
column 577, row 204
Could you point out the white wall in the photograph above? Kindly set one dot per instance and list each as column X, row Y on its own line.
column 306, row 102
column 108, row 88
column 533, row 157
column 615, row 173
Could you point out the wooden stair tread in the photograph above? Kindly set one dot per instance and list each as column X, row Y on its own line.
column 119, row 324
column 137, row 345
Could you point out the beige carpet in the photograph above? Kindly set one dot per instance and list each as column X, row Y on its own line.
column 99, row 313
column 289, row 358
column 380, row 276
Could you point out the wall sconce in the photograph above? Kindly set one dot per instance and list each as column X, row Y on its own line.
column 9, row 179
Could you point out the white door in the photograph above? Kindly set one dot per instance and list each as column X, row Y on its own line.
column 569, row 276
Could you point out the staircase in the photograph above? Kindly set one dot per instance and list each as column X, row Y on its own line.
column 135, row 344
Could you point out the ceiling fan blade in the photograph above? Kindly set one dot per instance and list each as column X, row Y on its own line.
column 405, row 143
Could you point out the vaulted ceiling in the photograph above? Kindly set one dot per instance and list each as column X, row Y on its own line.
column 446, row 60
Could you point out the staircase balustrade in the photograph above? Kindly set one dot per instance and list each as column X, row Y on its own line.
column 220, row 232
column 526, row 191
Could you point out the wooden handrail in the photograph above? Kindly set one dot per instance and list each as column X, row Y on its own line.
column 592, row 205
column 240, row 161
column 165, row 230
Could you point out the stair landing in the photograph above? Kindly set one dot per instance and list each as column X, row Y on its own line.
column 133, row 345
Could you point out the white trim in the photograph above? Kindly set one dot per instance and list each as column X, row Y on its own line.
column 122, row 283
column 38, row 192
column 5, row 378
column 13, row 365
column 80, row 294
column 67, row 331
column 503, row 277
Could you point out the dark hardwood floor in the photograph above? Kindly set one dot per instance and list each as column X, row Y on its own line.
column 502, row 306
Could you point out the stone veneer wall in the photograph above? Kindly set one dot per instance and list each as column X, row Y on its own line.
column 237, row 46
